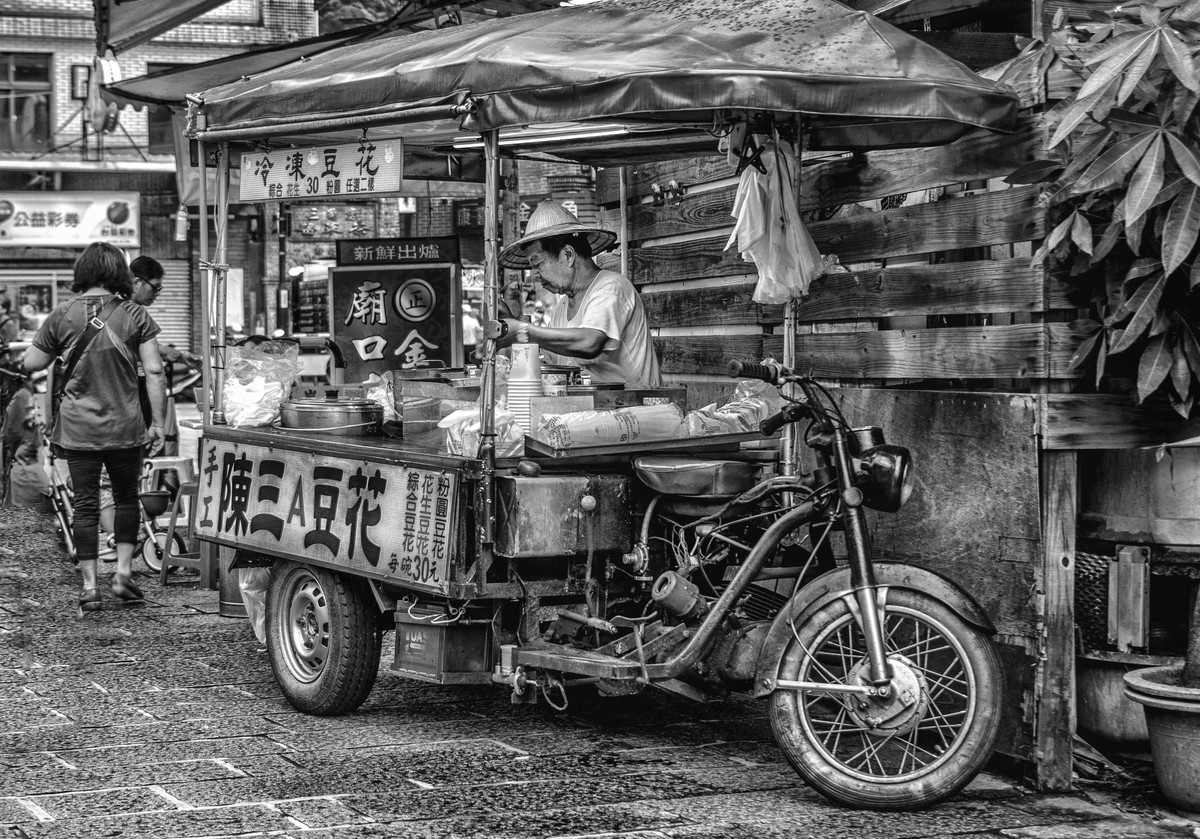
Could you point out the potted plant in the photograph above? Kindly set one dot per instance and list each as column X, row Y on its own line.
column 1123, row 189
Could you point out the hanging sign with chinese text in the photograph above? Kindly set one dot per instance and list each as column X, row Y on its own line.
column 393, row 522
column 69, row 219
column 402, row 318
column 356, row 169
column 332, row 222
column 397, row 251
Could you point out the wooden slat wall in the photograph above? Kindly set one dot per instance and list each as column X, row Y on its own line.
column 965, row 269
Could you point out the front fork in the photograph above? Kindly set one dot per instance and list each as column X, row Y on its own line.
column 860, row 558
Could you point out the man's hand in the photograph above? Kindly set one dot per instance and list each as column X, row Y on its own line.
column 158, row 437
column 512, row 301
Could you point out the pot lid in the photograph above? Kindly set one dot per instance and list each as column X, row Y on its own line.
column 314, row 405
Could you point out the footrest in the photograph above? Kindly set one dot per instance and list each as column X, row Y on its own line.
column 571, row 660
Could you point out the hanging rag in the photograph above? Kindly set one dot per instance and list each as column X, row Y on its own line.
column 769, row 232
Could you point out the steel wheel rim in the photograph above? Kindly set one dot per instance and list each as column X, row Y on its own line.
column 931, row 650
column 305, row 631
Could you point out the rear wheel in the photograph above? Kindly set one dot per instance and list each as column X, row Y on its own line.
column 322, row 638
column 153, row 550
column 919, row 745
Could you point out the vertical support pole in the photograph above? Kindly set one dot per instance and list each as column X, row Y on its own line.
column 221, row 271
column 485, row 506
column 1055, row 682
column 624, row 184
column 205, row 292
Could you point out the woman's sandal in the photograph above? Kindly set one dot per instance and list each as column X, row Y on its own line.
column 126, row 589
column 89, row 600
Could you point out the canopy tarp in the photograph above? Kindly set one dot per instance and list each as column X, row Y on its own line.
column 123, row 24
column 861, row 82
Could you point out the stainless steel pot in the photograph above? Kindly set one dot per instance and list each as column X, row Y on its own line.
column 336, row 417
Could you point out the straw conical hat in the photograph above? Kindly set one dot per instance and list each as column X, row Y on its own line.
column 553, row 219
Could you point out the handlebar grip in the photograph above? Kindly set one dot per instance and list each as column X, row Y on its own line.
column 774, row 422
column 768, row 373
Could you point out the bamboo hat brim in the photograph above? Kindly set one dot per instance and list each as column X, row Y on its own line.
column 553, row 219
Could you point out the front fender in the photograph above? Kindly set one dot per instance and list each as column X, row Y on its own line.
column 834, row 584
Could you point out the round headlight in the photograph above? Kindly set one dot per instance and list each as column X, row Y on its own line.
column 889, row 483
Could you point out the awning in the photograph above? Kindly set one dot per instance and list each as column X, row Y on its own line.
column 171, row 87
column 123, row 24
column 868, row 83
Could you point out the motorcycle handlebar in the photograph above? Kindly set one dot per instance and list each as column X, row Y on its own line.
column 774, row 422
column 769, row 372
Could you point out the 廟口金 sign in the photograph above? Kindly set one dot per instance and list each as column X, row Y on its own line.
column 362, row 168
column 388, row 521
column 69, row 219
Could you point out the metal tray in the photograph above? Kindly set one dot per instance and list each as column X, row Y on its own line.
column 536, row 448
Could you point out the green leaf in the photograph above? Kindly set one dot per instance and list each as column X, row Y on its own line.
column 1112, row 166
column 1118, row 45
column 1170, row 189
column 1191, row 348
column 1147, row 180
column 1138, row 67
column 1129, row 122
column 1181, row 229
column 1059, row 233
column 1111, row 235
column 1077, row 112
column 1185, row 102
column 1181, row 373
column 1179, row 59
column 1034, row 172
column 1084, row 352
column 1101, row 357
column 1111, row 70
column 1081, row 155
column 1081, row 233
column 1194, row 278
column 1143, row 305
column 1185, row 156
column 1153, row 367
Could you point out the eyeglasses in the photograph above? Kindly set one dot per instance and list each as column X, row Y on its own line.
column 156, row 287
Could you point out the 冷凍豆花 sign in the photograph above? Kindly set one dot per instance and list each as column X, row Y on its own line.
column 355, row 169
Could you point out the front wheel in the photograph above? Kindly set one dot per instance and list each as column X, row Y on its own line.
column 153, row 550
column 920, row 744
column 322, row 638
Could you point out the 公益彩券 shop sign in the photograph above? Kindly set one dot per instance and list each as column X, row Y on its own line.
column 396, row 523
column 334, row 171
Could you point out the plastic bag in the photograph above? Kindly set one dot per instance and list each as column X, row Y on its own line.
column 749, row 406
column 382, row 391
column 253, row 584
column 462, row 433
column 257, row 380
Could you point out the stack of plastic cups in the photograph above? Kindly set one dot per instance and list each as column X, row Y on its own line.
column 524, row 382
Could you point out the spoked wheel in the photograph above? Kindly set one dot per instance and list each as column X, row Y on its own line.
column 322, row 638
column 918, row 745
column 153, row 550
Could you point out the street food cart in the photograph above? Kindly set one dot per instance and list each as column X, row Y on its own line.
column 600, row 565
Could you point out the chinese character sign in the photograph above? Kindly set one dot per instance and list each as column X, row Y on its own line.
column 396, row 318
column 70, row 219
column 368, row 167
column 389, row 521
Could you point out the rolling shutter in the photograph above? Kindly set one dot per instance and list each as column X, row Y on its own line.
column 172, row 309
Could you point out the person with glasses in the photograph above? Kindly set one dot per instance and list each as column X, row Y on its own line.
column 147, row 284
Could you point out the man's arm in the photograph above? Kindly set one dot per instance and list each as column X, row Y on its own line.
column 576, row 342
column 156, row 387
column 35, row 359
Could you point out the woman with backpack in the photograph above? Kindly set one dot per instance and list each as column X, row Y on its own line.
column 99, row 425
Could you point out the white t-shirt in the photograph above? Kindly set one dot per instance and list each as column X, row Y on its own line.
column 611, row 305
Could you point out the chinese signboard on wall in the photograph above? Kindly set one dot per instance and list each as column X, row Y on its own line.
column 393, row 312
column 329, row 222
column 393, row 522
column 69, row 219
column 355, row 169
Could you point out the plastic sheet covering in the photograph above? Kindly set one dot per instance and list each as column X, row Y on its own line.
column 651, row 60
column 252, row 582
column 598, row 428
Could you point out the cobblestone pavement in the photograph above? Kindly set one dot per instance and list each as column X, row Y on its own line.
column 164, row 721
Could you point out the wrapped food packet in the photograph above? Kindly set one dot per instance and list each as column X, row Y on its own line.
column 598, row 428
column 258, row 379
column 750, row 406
column 462, row 433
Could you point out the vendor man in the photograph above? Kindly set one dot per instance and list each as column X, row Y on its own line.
column 599, row 322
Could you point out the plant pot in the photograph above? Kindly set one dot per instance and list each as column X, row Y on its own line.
column 1173, row 720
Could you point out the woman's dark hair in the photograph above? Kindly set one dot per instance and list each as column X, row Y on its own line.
column 105, row 266
column 553, row 245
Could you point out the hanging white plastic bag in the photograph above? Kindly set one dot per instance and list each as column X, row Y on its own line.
column 252, row 582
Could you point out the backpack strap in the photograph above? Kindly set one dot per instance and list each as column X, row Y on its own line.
column 94, row 325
